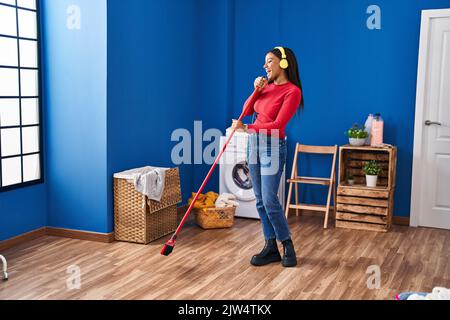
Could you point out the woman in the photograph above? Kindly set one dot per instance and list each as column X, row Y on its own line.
column 275, row 102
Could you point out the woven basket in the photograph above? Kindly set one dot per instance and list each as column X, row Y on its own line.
column 215, row 218
column 140, row 220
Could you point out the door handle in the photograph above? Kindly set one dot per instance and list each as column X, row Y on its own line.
column 429, row 123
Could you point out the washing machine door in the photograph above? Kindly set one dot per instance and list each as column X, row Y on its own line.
column 237, row 179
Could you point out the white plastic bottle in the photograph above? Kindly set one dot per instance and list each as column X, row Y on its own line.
column 368, row 128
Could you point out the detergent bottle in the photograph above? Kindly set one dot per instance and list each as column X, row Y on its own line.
column 368, row 128
column 377, row 131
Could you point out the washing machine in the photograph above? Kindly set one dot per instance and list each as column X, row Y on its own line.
column 235, row 176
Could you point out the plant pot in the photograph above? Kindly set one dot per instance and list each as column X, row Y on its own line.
column 357, row 142
column 351, row 182
column 371, row 181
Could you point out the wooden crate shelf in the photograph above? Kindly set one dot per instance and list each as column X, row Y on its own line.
column 361, row 207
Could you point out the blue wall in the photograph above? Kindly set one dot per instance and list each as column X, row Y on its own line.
column 75, row 110
column 22, row 210
column 214, row 81
column 347, row 70
column 171, row 66
column 152, row 75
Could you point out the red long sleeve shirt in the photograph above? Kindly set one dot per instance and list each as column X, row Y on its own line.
column 275, row 106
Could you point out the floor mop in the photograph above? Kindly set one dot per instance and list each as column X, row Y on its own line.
column 168, row 247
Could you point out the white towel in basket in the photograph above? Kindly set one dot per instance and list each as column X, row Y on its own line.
column 147, row 180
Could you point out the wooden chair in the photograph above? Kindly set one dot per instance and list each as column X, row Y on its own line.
column 296, row 180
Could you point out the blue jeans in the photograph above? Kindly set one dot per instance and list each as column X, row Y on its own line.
column 266, row 158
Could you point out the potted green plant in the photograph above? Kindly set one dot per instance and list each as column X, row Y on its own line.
column 350, row 179
column 372, row 169
column 357, row 136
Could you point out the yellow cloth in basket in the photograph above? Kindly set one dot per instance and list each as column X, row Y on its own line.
column 207, row 200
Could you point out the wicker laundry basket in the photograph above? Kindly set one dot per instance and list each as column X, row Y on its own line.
column 215, row 218
column 142, row 220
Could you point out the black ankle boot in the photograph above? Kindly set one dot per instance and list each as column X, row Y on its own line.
column 289, row 257
column 268, row 255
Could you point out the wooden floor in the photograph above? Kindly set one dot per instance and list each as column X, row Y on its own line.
column 214, row 264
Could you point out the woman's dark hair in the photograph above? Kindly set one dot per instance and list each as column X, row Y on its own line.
column 292, row 70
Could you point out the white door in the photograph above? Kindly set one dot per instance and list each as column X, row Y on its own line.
column 431, row 168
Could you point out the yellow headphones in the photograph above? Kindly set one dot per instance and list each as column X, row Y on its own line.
column 284, row 64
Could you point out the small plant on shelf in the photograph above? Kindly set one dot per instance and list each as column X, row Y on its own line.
column 372, row 170
column 357, row 136
column 350, row 179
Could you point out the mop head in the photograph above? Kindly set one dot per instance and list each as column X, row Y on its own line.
column 168, row 248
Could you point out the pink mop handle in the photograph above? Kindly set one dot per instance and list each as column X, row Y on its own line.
column 209, row 174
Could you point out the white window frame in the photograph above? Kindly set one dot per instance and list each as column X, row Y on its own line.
column 21, row 126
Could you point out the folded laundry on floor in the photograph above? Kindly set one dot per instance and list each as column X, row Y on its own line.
column 226, row 200
column 147, row 180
